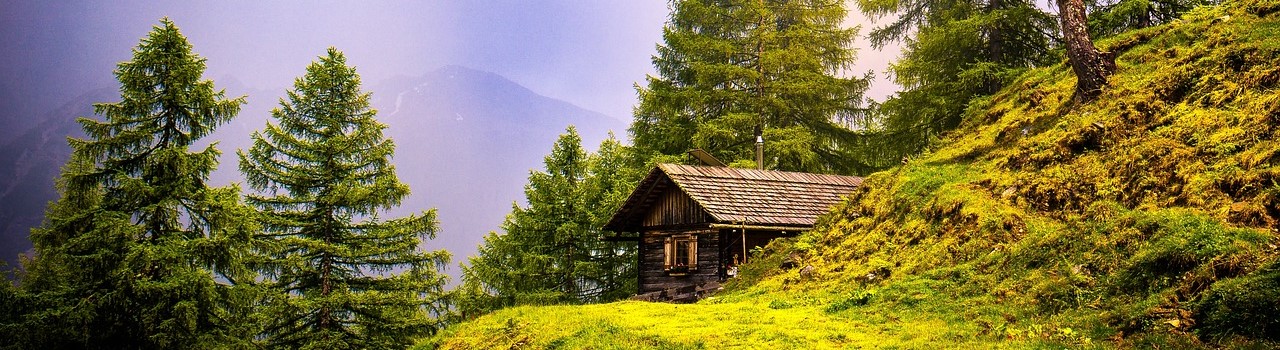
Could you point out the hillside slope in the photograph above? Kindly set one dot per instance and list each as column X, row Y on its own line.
column 1148, row 218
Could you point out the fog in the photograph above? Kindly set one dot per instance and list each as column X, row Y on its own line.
column 588, row 53
column 585, row 52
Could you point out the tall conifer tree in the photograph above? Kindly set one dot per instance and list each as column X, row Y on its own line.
column 727, row 67
column 611, row 267
column 139, row 252
column 343, row 276
column 952, row 52
column 553, row 251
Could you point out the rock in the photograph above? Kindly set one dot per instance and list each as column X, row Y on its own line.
column 791, row 262
column 650, row 296
column 807, row 272
column 1009, row 193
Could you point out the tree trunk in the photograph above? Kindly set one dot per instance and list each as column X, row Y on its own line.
column 1092, row 67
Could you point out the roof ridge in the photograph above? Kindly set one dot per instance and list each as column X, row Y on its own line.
column 667, row 168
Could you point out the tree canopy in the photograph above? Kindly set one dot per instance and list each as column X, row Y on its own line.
column 728, row 67
column 952, row 52
column 553, row 250
column 340, row 276
column 139, row 252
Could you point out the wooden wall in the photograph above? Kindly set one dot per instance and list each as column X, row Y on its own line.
column 675, row 208
column 653, row 278
column 674, row 213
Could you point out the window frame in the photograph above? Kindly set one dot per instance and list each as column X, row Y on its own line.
column 671, row 246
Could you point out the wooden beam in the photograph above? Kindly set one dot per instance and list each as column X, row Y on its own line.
column 762, row 228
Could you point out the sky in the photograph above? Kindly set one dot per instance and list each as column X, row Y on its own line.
column 590, row 53
column 587, row 52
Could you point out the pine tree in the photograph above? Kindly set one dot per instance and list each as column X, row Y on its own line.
column 953, row 51
column 1110, row 17
column 611, row 265
column 727, row 67
column 139, row 252
column 343, row 277
column 553, row 251
column 534, row 262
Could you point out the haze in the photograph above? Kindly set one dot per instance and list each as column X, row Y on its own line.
column 584, row 52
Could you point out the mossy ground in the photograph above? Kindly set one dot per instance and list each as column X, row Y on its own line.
column 797, row 321
column 1147, row 218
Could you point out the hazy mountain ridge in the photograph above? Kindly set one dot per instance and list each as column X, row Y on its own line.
column 466, row 141
column 29, row 164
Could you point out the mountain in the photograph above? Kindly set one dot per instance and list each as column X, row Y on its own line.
column 30, row 162
column 465, row 143
column 1148, row 218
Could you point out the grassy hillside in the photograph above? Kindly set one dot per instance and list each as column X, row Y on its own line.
column 1148, row 218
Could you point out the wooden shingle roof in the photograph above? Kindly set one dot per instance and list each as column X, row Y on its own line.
column 739, row 196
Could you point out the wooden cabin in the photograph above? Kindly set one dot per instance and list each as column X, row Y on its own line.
column 695, row 222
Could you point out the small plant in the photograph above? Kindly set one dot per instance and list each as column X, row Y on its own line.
column 857, row 298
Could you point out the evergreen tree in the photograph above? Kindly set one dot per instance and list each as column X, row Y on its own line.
column 611, row 265
column 954, row 51
column 1110, row 17
column 343, row 277
column 553, row 251
column 139, row 252
column 727, row 67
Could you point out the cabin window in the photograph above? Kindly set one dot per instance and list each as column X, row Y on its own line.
column 681, row 253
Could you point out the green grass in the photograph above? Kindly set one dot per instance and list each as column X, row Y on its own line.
column 1146, row 219
column 806, row 322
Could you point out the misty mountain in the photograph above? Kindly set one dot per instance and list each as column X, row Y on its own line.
column 29, row 164
column 465, row 143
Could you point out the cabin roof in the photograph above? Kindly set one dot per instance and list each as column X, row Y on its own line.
column 738, row 196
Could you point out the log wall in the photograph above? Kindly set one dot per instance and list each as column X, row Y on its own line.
column 654, row 278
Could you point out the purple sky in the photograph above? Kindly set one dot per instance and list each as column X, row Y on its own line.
column 589, row 53
column 586, row 52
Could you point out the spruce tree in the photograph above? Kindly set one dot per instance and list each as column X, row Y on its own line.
column 343, row 277
column 728, row 67
column 139, row 253
column 611, row 266
column 1110, row 17
column 553, row 251
column 953, row 51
